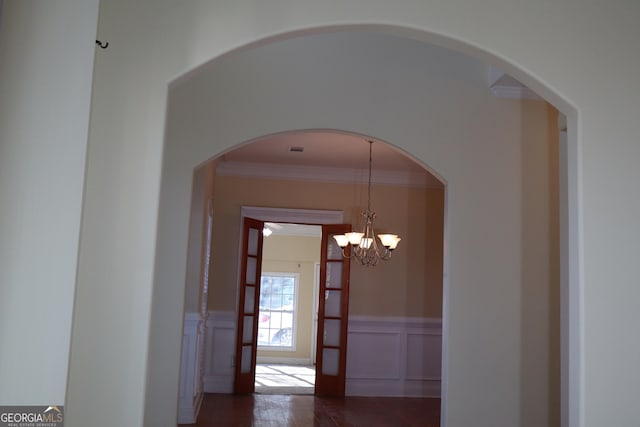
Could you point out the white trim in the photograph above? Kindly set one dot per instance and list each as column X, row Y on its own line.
column 446, row 268
column 401, row 374
column 192, row 317
column 324, row 174
column 191, row 393
column 572, row 307
column 218, row 384
column 514, row 92
column 408, row 356
column 382, row 388
column 220, row 335
column 294, row 216
column 294, row 315
column 225, row 319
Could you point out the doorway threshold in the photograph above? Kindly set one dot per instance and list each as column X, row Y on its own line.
column 284, row 379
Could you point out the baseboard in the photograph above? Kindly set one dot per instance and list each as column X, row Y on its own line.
column 218, row 384
column 384, row 388
column 188, row 411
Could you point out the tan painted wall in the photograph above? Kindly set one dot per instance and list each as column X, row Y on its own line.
column 540, row 305
column 408, row 285
column 294, row 254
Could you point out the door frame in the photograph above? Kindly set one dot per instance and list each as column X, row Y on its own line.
column 287, row 215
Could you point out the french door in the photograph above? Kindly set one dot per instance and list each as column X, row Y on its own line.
column 333, row 306
column 248, row 306
column 333, row 311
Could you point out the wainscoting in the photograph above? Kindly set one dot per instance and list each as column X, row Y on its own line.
column 220, row 338
column 191, row 390
column 386, row 356
column 392, row 356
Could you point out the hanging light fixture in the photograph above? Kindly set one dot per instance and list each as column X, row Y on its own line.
column 364, row 245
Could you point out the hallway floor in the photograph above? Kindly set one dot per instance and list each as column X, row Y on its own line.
column 284, row 397
column 301, row 411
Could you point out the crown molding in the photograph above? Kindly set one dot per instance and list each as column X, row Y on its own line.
column 513, row 92
column 323, row 174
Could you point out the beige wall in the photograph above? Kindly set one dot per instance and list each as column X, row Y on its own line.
column 549, row 45
column 540, row 299
column 294, row 254
column 408, row 285
column 128, row 177
column 46, row 72
column 443, row 114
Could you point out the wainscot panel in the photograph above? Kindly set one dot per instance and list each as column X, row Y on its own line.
column 394, row 356
column 386, row 356
column 191, row 392
column 220, row 349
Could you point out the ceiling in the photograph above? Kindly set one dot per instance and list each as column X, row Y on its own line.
column 323, row 149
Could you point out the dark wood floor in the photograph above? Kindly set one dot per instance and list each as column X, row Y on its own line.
column 299, row 410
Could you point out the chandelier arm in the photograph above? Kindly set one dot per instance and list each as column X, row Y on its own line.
column 344, row 255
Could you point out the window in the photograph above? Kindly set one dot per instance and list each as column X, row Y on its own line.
column 276, row 321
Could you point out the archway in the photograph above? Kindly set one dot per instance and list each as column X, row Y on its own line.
column 385, row 297
column 371, row 119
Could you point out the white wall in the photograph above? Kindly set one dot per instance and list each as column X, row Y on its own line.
column 46, row 66
column 581, row 55
column 424, row 98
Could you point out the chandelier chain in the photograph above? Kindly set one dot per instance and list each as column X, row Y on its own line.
column 370, row 167
column 364, row 245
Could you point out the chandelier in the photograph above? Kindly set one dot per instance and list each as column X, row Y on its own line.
column 366, row 247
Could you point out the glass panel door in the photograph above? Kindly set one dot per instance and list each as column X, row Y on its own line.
column 331, row 351
column 247, row 325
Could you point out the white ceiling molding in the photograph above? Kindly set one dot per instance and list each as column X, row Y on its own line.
column 325, row 174
column 503, row 85
column 514, row 92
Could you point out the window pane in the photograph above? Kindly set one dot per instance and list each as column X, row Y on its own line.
column 333, row 250
column 332, row 332
column 334, row 275
column 245, row 360
column 330, row 360
column 251, row 270
column 252, row 248
column 332, row 303
column 276, row 323
column 247, row 331
column 249, row 298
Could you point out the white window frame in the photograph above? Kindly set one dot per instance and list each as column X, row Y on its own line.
column 294, row 320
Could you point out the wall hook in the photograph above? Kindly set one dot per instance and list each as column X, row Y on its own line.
column 102, row 45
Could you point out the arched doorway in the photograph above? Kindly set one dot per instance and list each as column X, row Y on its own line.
column 266, row 173
column 380, row 120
